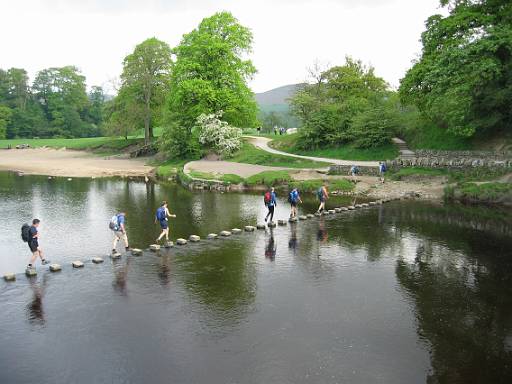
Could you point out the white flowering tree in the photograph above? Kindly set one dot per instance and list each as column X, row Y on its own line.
column 218, row 135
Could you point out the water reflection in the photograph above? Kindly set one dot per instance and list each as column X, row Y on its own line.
column 121, row 269
column 293, row 241
column 35, row 309
column 270, row 246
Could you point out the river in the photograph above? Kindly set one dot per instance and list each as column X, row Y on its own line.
column 405, row 292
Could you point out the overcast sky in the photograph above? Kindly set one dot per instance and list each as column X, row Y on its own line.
column 289, row 35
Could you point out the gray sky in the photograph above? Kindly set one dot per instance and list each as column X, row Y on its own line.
column 289, row 35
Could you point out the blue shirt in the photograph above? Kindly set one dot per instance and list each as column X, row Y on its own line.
column 32, row 232
column 120, row 219
column 295, row 196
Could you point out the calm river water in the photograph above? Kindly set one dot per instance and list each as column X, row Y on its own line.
column 408, row 292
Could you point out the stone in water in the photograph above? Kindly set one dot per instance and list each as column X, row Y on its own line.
column 77, row 264
column 271, row 224
column 194, row 238
column 303, row 217
column 236, row 231
column 310, row 215
column 30, row 272
column 249, row 228
column 97, row 260
column 9, row 277
column 260, row 226
column 154, row 247
column 181, row 241
column 115, row 255
column 168, row 244
column 136, row 252
column 55, row 267
column 225, row 233
column 281, row 222
column 212, row 236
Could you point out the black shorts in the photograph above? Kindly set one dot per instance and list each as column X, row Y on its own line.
column 33, row 245
column 293, row 203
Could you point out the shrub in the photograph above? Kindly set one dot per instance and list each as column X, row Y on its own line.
column 217, row 134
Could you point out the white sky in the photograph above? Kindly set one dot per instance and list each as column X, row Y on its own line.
column 289, row 35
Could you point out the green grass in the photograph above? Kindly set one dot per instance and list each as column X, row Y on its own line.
column 429, row 136
column 170, row 168
column 333, row 185
column 249, row 154
column 453, row 175
column 269, row 178
column 417, row 171
column 486, row 192
column 228, row 178
column 288, row 143
column 91, row 143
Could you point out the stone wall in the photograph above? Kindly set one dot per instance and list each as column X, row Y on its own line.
column 345, row 170
column 454, row 159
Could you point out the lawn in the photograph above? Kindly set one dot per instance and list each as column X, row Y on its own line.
column 288, row 143
column 249, row 154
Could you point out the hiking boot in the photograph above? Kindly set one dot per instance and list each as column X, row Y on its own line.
column 127, row 249
column 44, row 261
column 114, row 251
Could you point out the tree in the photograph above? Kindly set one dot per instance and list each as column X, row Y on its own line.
column 463, row 80
column 146, row 74
column 210, row 74
column 5, row 115
column 123, row 115
column 218, row 135
column 329, row 105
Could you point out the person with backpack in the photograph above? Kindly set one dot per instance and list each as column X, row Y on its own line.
column 30, row 235
column 294, row 200
column 117, row 224
column 382, row 171
column 161, row 217
column 270, row 202
column 322, row 195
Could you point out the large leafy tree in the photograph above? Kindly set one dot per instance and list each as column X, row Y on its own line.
column 329, row 106
column 463, row 80
column 5, row 116
column 145, row 77
column 210, row 75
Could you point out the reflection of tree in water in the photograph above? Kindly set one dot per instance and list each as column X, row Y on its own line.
column 35, row 310
column 463, row 308
column 221, row 279
column 270, row 246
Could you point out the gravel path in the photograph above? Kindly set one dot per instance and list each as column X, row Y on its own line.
column 227, row 167
column 262, row 143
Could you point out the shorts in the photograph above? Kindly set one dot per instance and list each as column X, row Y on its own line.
column 322, row 199
column 33, row 245
column 164, row 224
column 293, row 203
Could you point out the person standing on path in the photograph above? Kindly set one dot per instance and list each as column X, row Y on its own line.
column 322, row 195
column 162, row 213
column 382, row 171
column 271, row 203
column 33, row 244
column 118, row 225
column 294, row 199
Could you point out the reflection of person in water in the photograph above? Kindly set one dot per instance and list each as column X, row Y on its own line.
column 292, row 243
column 164, row 274
column 120, row 277
column 322, row 232
column 35, row 311
column 271, row 247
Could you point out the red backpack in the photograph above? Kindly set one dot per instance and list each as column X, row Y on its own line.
column 267, row 198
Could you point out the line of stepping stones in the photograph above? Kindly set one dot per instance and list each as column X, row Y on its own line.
column 195, row 238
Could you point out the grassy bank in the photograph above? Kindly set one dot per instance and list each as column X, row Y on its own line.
column 452, row 175
column 288, row 143
column 488, row 193
column 249, row 154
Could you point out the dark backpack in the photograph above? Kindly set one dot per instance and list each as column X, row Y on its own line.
column 267, row 198
column 160, row 214
column 320, row 193
column 383, row 167
column 25, row 233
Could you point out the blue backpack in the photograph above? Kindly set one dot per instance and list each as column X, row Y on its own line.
column 160, row 214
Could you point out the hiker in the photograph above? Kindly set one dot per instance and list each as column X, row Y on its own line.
column 322, row 195
column 259, row 130
column 270, row 202
column 382, row 171
column 162, row 213
column 275, row 130
column 294, row 200
column 30, row 235
column 117, row 224
column 354, row 171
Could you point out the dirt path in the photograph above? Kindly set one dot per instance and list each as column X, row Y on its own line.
column 59, row 162
column 262, row 143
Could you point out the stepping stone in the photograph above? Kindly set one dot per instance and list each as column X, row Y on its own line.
column 260, row 226
column 303, row 217
column 358, row 206
column 337, row 210
column 236, row 231
column 318, row 214
column 55, row 267
column 324, row 213
column 373, row 203
column 30, row 272
column 249, row 228
column 97, row 260
column 331, row 211
column 281, row 222
column 168, row 244
column 365, row 205
column 115, row 256
column 212, row 236
column 77, row 264
column 9, row 277
column 225, row 233
column 136, row 252
column 271, row 224
column 194, row 238
column 293, row 219
column 344, row 208
column 310, row 215
column 351, row 207
column 154, row 247
column 181, row 241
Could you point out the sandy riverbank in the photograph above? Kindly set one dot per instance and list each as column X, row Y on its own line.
column 61, row 162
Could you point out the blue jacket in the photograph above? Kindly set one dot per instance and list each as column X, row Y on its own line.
column 272, row 201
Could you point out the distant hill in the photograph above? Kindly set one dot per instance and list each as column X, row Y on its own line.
column 278, row 95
